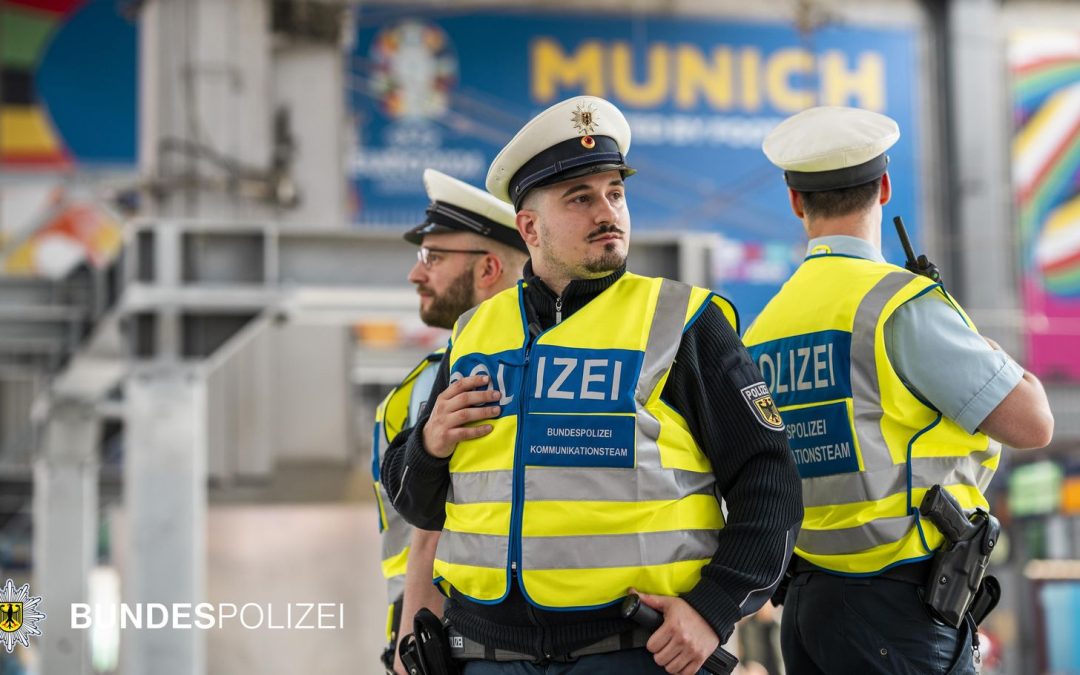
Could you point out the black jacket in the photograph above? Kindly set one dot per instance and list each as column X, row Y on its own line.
column 754, row 471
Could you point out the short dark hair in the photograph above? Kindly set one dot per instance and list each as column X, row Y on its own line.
column 836, row 203
column 528, row 200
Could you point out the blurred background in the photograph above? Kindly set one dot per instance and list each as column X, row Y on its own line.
column 202, row 277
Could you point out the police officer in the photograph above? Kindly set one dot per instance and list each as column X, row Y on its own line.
column 581, row 432
column 886, row 389
column 469, row 250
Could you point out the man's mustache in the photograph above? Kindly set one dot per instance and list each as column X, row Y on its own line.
column 605, row 230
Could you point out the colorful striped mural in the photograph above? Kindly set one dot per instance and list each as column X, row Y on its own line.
column 67, row 85
column 1045, row 69
column 27, row 135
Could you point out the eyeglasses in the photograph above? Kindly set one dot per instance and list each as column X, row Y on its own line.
column 429, row 256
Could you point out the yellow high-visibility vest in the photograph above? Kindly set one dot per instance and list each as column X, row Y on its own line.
column 866, row 447
column 391, row 417
column 589, row 483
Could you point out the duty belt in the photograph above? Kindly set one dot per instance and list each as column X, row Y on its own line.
column 464, row 649
column 912, row 573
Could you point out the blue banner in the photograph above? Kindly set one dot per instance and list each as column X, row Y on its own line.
column 431, row 88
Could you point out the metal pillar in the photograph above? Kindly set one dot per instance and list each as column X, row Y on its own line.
column 205, row 129
column 65, row 516
column 981, row 185
column 165, row 505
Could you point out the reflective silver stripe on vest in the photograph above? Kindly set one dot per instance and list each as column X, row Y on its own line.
column 395, row 588
column 646, row 432
column 570, row 484
column 395, row 538
column 477, row 487
column 480, row 550
column 984, row 475
column 618, row 550
column 855, row 539
column 665, row 336
column 865, row 388
column 877, row 485
column 464, row 320
column 398, row 532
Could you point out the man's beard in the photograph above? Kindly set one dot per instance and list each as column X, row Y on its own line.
column 445, row 309
column 611, row 259
column 608, row 261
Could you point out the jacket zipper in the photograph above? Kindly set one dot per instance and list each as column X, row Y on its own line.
column 517, row 495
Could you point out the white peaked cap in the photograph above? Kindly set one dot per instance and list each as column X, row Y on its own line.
column 457, row 206
column 830, row 148
column 575, row 137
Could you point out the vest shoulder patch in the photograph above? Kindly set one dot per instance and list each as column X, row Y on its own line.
column 761, row 403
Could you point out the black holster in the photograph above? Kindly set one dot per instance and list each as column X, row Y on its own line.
column 986, row 599
column 427, row 650
column 958, row 583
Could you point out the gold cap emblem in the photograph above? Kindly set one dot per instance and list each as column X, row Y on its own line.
column 584, row 118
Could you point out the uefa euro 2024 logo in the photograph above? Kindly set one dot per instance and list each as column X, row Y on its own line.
column 19, row 615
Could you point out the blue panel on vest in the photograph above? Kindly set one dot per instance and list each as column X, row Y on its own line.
column 506, row 370
column 808, row 368
column 568, row 380
column 821, row 440
column 580, row 440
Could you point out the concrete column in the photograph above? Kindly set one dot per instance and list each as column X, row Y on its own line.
column 204, row 104
column 309, row 85
column 65, row 510
column 165, row 501
column 982, row 190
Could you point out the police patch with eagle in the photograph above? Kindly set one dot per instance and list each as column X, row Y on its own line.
column 759, row 399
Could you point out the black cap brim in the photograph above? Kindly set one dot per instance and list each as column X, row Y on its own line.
column 417, row 234
column 443, row 217
column 578, row 172
column 837, row 179
column 571, row 158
